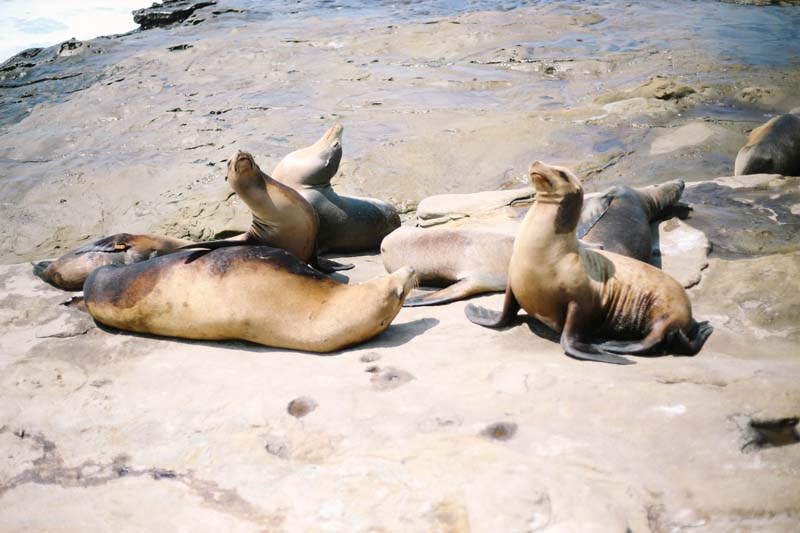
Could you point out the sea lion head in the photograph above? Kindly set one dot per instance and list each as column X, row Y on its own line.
column 242, row 170
column 558, row 185
column 329, row 151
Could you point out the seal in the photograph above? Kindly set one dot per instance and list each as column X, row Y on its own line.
column 347, row 223
column 255, row 293
column 772, row 148
column 603, row 304
column 471, row 261
column 69, row 271
column 282, row 218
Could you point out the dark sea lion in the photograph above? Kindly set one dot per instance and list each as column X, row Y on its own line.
column 772, row 148
column 472, row 261
column 69, row 271
column 602, row 303
column 282, row 218
column 347, row 223
column 254, row 293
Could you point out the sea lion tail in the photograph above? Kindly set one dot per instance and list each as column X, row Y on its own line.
column 663, row 199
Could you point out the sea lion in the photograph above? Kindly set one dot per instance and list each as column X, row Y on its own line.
column 472, row 261
column 772, row 148
column 602, row 303
column 347, row 223
column 282, row 218
column 254, row 293
column 69, row 271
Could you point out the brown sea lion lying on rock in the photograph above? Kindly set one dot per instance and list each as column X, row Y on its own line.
column 602, row 303
column 347, row 223
column 69, row 271
column 254, row 293
column 282, row 218
column 772, row 148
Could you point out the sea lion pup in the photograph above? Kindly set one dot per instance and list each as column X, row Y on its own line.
column 772, row 148
column 602, row 303
column 347, row 223
column 281, row 217
column 254, row 293
column 473, row 261
column 69, row 271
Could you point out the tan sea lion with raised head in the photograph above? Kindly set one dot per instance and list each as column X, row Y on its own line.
column 282, row 218
column 69, row 271
column 254, row 293
column 772, row 148
column 473, row 261
column 347, row 223
column 602, row 303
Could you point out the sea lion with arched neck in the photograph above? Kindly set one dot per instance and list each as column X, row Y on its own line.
column 347, row 223
column 469, row 261
column 254, row 293
column 603, row 304
column 772, row 148
column 69, row 271
column 282, row 218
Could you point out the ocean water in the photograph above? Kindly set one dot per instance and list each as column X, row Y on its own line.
column 738, row 33
column 41, row 23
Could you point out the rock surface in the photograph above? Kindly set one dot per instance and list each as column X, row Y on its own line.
column 437, row 424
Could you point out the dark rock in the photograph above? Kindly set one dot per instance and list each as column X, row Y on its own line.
column 167, row 13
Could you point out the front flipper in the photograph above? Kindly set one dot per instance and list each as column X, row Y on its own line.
column 459, row 290
column 593, row 210
column 327, row 266
column 588, row 352
column 573, row 346
column 494, row 319
column 118, row 242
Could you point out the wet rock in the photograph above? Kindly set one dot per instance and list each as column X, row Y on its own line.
column 692, row 134
column 167, row 13
column 658, row 87
column 300, row 407
column 390, row 378
column 500, row 431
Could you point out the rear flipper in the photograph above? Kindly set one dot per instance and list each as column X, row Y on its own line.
column 590, row 352
column 119, row 242
column 459, row 290
column 327, row 266
column 691, row 344
column 574, row 346
column 40, row 267
column 494, row 319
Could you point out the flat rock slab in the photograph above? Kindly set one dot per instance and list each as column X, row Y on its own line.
column 441, row 208
column 432, row 426
column 682, row 251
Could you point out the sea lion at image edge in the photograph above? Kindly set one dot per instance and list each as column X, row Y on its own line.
column 69, row 271
column 282, row 218
column 254, row 293
column 603, row 304
column 772, row 148
column 473, row 261
column 347, row 223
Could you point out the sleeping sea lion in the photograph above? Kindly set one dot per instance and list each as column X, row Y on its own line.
column 472, row 261
column 69, row 271
column 254, row 293
column 347, row 223
column 772, row 148
column 602, row 303
column 281, row 217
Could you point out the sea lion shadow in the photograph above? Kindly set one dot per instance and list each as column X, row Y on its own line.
column 539, row 329
column 395, row 335
column 398, row 334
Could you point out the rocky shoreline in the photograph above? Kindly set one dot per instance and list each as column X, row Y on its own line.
column 436, row 424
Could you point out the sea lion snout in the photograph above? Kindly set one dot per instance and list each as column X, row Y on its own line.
column 408, row 280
